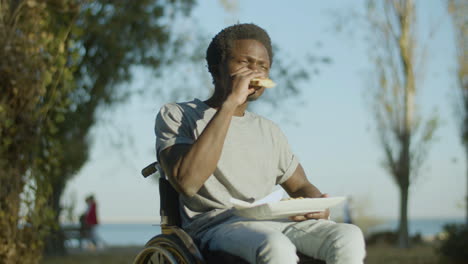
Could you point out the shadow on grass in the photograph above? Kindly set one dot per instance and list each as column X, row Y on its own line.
column 114, row 255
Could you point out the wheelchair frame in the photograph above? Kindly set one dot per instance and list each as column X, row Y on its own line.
column 174, row 245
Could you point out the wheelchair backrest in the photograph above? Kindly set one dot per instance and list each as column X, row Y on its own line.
column 169, row 201
column 168, row 197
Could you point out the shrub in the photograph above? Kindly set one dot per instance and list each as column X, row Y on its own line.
column 454, row 246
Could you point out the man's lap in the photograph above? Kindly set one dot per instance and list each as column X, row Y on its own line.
column 243, row 237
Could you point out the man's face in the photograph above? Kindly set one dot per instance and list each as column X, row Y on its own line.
column 250, row 54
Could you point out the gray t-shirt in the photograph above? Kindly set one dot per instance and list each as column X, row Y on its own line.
column 255, row 158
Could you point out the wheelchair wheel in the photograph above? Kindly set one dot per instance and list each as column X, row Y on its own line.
column 164, row 249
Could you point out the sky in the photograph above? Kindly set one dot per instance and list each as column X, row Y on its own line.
column 332, row 132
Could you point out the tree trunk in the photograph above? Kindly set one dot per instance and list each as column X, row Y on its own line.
column 55, row 240
column 466, row 201
column 403, row 237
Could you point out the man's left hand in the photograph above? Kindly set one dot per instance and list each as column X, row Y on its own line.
column 313, row 215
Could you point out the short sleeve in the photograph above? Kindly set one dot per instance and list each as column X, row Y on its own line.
column 171, row 128
column 287, row 161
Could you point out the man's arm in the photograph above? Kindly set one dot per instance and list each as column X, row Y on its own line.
column 299, row 186
column 189, row 166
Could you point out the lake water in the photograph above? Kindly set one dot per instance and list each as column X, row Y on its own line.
column 425, row 227
column 127, row 234
column 139, row 234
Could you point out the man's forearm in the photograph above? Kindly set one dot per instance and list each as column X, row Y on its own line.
column 193, row 169
column 307, row 191
column 299, row 186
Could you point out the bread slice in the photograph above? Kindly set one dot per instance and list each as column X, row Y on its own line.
column 264, row 82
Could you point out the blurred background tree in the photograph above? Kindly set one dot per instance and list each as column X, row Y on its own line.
column 458, row 9
column 404, row 136
column 113, row 37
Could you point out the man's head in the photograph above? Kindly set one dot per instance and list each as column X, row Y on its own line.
column 223, row 43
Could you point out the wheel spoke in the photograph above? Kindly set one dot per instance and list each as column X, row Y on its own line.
column 161, row 255
column 164, row 249
column 160, row 259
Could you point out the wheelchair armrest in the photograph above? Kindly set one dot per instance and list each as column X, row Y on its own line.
column 185, row 239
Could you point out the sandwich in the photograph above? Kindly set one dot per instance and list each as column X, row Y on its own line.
column 262, row 82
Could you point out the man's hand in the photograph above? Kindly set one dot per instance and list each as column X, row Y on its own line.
column 239, row 82
column 312, row 215
column 299, row 186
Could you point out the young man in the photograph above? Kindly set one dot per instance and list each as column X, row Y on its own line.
column 213, row 150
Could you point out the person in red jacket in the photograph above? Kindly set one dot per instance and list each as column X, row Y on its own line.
column 91, row 215
column 91, row 220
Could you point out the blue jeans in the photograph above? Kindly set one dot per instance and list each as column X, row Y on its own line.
column 259, row 241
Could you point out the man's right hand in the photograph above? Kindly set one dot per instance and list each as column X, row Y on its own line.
column 313, row 215
column 240, row 90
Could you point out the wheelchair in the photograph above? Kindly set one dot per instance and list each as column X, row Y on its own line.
column 174, row 245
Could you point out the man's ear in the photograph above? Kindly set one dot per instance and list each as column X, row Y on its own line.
column 218, row 72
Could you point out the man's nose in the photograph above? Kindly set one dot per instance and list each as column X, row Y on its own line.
column 253, row 66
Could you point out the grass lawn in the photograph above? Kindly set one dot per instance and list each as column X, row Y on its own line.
column 378, row 254
column 114, row 255
column 421, row 254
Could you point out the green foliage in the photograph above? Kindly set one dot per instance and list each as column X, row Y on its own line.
column 59, row 61
column 34, row 82
column 112, row 38
column 455, row 246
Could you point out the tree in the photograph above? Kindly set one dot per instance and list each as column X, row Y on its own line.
column 114, row 37
column 458, row 10
column 60, row 60
column 35, row 79
column 403, row 134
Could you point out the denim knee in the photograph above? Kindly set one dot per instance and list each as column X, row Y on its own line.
column 348, row 244
column 276, row 248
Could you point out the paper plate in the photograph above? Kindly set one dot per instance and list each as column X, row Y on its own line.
column 287, row 208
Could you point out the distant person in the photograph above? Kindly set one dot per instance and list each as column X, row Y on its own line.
column 347, row 216
column 214, row 150
column 89, row 221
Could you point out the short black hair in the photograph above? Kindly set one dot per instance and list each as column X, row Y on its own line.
column 222, row 43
